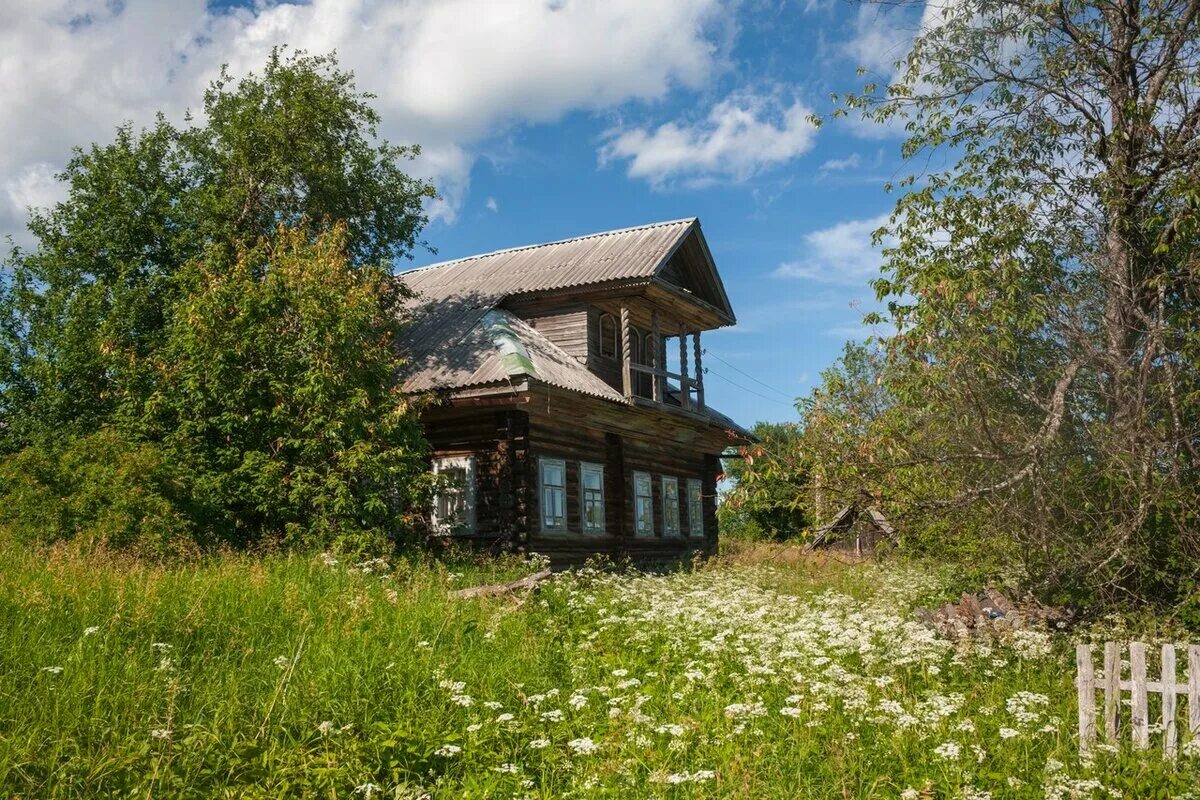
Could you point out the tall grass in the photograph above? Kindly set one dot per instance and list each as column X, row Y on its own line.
column 291, row 676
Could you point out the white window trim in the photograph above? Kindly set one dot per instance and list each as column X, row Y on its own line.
column 542, row 462
column 584, row 468
column 637, row 529
column 467, row 464
column 666, row 519
column 695, row 507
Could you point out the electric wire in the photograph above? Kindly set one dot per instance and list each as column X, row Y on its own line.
column 748, row 375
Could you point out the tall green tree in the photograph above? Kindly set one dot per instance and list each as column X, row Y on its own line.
column 296, row 145
column 1045, row 283
column 213, row 304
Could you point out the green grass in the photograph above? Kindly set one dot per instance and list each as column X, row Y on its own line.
column 754, row 676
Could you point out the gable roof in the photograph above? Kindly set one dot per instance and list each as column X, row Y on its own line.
column 609, row 256
column 460, row 337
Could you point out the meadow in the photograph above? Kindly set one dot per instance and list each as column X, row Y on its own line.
column 759, row 674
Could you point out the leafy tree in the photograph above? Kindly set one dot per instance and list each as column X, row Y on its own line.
column 276, row 395
column 770, row 496
column 218, row 296
column 1045, row 285
column 295, row 146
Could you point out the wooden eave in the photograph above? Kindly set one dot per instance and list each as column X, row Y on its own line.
column 711, row 276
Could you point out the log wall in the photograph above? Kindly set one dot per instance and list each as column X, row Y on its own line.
column 507, row 440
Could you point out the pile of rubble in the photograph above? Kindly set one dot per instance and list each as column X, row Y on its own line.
column 990, row 613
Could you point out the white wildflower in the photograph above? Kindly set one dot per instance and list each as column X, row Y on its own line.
column 948, row 751
column 583, row 746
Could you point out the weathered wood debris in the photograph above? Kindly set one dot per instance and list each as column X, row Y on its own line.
column 530, row 582
column 989, row 613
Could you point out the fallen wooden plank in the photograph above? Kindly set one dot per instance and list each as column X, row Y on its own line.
column 496, row 589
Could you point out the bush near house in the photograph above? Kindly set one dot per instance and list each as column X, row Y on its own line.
column 200, row 347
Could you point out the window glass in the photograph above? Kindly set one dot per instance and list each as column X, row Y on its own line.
column 591, row 480
column 670, row 496
column 643, row 503
column 608, row 336
column 454, row 500
column 554, row 494
column 695, row 505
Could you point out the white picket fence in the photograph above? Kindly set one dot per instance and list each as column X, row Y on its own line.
column 1139, row 687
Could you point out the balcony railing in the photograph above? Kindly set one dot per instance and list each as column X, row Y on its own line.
column 689, row 389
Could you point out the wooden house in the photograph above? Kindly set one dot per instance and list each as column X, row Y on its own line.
column 857, row 528
column 571, row 417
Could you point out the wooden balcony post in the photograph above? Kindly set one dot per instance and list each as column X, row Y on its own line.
column 699, row 371
column 626, row 355
column 685, row 391
column 657, row 385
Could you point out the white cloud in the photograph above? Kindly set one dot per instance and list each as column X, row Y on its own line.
column 447, row 73
column 739, row 137
column 851, row 161
column 881, row 35
column 841, row 253
column 491, row 204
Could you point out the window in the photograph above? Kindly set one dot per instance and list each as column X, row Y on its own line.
column 591, row 490
column 695, row 507
column 670, row 500
column 554, row 494
column 608, row 336
column 643, row 503
column 454, row 501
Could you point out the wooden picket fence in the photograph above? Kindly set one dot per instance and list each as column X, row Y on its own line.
column 1140, row 688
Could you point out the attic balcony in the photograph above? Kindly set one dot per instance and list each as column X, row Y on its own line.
column 648, row 380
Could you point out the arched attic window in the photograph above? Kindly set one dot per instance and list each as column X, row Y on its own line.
column 608, row 336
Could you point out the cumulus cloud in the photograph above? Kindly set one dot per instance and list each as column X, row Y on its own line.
column 841, row 253
column 739, row 137
column 447, row 73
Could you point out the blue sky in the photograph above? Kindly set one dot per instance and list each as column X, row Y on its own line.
column 543, row 119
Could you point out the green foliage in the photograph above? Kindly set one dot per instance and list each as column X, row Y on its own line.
column 771, row 476
column 277, row 395
column 102, row 489
column 258, row 243
column 1043, row 286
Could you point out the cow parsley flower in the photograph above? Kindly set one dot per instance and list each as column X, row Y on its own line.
column 948, row 751
column 583, row 746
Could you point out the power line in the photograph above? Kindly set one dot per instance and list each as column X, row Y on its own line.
column 708, row 371
column 748, row 375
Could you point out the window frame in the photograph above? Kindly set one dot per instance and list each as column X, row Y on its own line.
column 637, row 508
column 543, row 462
column 468, row 525
column 695, row 507
column 667, row 518
column 584, row 468
column 616, row 349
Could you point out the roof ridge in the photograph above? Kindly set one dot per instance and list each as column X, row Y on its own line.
column 518, row 248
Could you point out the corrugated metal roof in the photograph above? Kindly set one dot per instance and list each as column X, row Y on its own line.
column 481, row 347
column 595, row 258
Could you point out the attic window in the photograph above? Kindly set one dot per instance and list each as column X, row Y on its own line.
column 608, row 336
